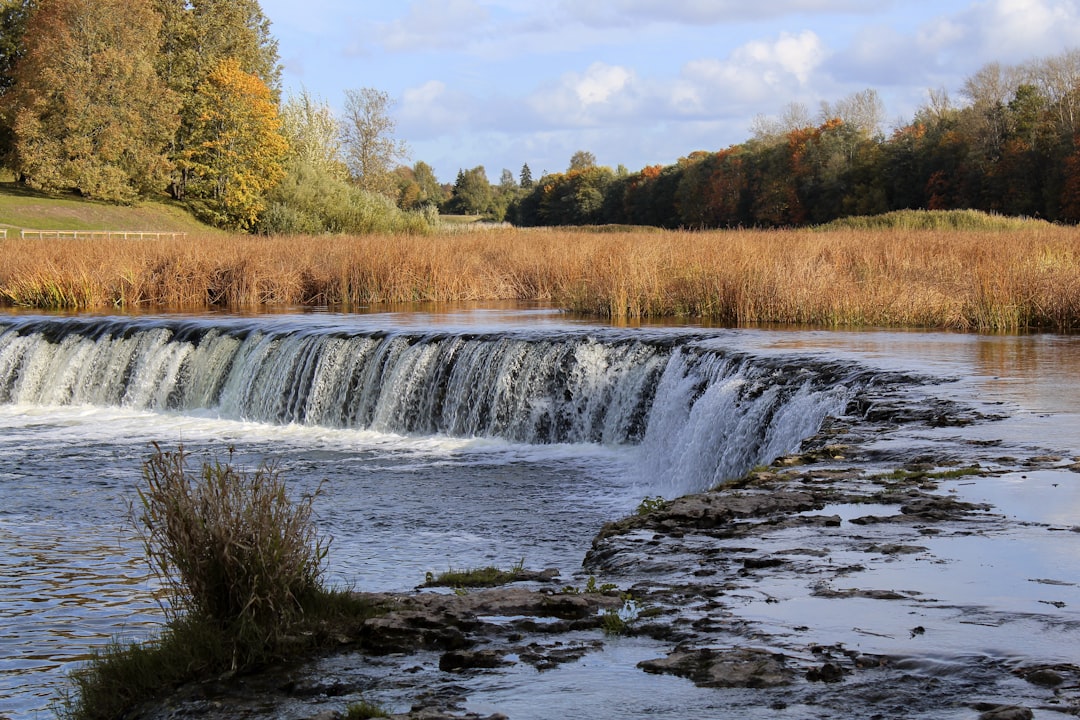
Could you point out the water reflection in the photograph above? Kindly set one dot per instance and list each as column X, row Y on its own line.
column 1039, row 373
column 63, row 592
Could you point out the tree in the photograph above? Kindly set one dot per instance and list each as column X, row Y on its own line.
column 1058, row 79
column 13, row 17
column 471, row 194
column 431, row 192
column 988, row 91
column 768, row 130
column 196, row 36
column 88, row 110
column 526, row 178
column 371, row 152
column 582, row 159
column 236, row 151
column 313, row 133
column 418, row 187
column 1070, row 192
column 864, row 111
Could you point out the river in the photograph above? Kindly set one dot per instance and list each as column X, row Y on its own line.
column 455, row 438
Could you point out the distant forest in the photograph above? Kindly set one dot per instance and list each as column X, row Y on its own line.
column 1010, row 147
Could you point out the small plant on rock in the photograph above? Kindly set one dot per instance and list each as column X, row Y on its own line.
column 364, row 710
column 612, row 623
column 489, row 576
column 591, row 586
column 651, row 504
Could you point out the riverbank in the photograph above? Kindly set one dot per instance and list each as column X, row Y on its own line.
column 948, row 279
column 853, row 579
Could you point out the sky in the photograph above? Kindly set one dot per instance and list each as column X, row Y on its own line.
column 501, row 83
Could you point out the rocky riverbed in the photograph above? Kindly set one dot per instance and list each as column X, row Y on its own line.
column 858, row 578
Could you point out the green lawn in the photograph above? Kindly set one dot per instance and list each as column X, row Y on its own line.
column 25, row 209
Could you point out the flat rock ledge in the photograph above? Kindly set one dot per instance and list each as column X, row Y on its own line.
column 730, row 668
column 467, row 632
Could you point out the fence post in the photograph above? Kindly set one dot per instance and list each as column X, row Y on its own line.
column 95, row 235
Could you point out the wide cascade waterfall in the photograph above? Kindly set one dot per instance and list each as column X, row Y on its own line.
column 698, row 412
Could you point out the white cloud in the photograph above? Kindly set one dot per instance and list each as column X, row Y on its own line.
column 880, row 55
column 797, row 55
column 1018, row 29
column 434, row 24
column 757, row 71
column 623, row 13
column 583, row 99
column 601, row 82
column 941, row 33
column 433, row 109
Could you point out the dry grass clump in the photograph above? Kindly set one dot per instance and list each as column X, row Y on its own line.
column 230, row 545
column 243, row 564
column 918, row 278
column 1000, row 279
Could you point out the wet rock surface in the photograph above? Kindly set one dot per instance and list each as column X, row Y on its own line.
column 801, row 588
column 734, row 667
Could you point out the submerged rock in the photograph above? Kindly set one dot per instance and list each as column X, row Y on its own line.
column 458, row 660
column 1007, row 712
column 740, row 667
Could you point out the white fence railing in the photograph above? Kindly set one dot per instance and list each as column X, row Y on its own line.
column 3, row 233
column 97, row 235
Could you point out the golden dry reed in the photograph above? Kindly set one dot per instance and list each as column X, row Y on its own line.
column 969, row 280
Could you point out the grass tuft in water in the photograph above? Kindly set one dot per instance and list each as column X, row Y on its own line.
column 489, row 576
column 243, row 565
column 231, row 546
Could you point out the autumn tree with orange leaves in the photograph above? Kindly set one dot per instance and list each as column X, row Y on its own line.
column 236, row 151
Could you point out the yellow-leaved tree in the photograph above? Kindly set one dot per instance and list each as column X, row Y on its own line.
column 236, row 152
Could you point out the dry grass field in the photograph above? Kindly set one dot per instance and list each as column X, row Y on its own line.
column 969, row 280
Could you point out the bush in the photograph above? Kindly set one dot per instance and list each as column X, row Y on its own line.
column 243, row 564
column 932, row 220
column 230, row 545
column 312, row 200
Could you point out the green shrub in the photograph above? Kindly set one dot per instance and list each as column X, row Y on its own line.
column 931, row 220
column 364, row 710
column 313, row 200
column 489, row 576
column 230, row 545
column 282, row 219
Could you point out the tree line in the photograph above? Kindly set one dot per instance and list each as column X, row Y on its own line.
column 1012, row 146
column 121, row 99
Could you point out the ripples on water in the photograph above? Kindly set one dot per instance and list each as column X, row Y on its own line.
column 71, row 570
column 71, row 567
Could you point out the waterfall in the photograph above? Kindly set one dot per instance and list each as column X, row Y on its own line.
column 695, row 410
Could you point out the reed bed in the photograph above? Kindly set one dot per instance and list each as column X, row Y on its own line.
column 968, row 280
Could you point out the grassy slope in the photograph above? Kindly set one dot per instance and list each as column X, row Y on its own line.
column 21, row 208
